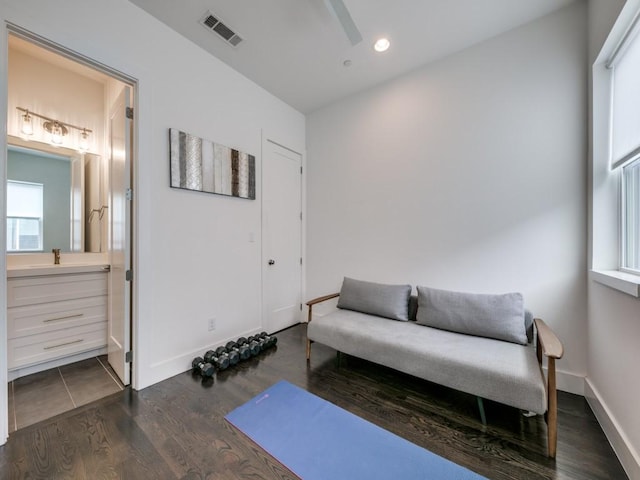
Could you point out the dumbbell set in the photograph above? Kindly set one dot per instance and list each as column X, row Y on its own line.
column 232, row 353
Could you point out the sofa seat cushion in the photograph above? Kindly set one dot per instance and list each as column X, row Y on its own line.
column 496, row 370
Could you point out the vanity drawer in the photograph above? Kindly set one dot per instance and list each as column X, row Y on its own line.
column 46, row 317
column 33, row 349
column 54, row 288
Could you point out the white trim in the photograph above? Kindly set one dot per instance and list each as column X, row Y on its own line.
column 22, row 372
column 72, row 55
column 619, row 441
column 627, row 159
column 4, row 405
column 624, row 282
column 570, row 382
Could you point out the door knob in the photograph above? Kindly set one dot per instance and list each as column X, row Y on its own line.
column 271, row 262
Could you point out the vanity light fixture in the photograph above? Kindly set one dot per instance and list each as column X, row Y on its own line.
column 56, row 128
column 381, row 45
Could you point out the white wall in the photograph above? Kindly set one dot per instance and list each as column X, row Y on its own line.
column 194, row 259
column 467, row 174
column 613, row 384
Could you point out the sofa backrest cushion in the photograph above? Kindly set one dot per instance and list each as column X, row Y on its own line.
column 389, row 301
column 494, row 316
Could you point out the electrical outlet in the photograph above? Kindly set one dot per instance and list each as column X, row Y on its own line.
column 212, row 324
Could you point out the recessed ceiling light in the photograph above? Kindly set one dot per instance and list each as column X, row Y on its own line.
column 381, row 45
column 347, row 63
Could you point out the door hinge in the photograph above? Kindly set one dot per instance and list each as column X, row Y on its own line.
column 300, row 216
column 128, row 357
column 300, row 307
column 300, row 170
column 128, row 276
column 128, row 193
column 129, row 113
column 300, row 260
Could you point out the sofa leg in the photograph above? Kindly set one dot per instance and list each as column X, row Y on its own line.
column 483, row 417
column 308, row 349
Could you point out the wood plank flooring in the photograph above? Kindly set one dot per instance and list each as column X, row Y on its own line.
column 176, row 428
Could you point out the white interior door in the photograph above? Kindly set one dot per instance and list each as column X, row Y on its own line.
column 282, row 236
column 120, row 236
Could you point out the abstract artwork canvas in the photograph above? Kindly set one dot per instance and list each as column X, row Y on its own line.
column 205, row 166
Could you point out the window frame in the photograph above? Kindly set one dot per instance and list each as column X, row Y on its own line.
column 618, row 163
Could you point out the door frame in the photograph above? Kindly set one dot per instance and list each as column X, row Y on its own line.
column 11, row 28
column 266, row 139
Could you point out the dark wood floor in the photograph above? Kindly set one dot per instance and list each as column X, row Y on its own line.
column 176, row 430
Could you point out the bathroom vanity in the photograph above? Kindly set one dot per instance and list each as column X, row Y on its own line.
column 55, row 313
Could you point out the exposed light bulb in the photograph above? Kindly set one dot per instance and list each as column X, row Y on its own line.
column 381, row 45
column 83, row 144
column 27, row 124
column 56, row 134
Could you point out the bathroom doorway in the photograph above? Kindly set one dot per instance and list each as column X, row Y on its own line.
column 72, row 319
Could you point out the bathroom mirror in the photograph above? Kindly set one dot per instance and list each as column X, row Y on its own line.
column 54, row 199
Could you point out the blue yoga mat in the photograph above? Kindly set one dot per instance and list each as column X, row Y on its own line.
column 318, row 440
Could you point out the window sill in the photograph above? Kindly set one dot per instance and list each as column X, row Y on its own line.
column 624, row 282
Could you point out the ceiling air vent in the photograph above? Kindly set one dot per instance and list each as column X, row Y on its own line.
column 213, row 23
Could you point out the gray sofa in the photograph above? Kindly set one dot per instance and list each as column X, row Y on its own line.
column 478, row 344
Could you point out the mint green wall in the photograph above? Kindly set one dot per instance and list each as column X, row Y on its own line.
column 55, row 174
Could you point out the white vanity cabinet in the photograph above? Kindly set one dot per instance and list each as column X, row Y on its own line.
column 51, row 316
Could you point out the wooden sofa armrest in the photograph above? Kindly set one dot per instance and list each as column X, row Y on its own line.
column 324, row 298
column 310, row 304
column 549, row 345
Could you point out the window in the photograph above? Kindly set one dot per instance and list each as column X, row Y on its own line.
column 24, row 216
column 625, row 143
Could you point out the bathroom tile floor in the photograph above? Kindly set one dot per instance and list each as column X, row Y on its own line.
column 45, row 394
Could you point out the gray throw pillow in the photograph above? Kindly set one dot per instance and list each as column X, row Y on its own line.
column 389, row 301
column 494, row 316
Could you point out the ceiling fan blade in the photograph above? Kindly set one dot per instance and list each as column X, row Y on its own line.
column 344, row 17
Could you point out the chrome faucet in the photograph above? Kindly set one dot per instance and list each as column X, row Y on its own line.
column 56, row 256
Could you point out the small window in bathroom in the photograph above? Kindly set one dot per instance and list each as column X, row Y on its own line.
column 24, row 216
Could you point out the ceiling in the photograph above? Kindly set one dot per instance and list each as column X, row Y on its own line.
column 296, row 49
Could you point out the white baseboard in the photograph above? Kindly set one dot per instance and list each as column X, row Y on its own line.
column 569, row 382
column 21, row 372
column 169, row 367
column 625, row 452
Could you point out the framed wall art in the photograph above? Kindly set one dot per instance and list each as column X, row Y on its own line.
column 206, row 166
